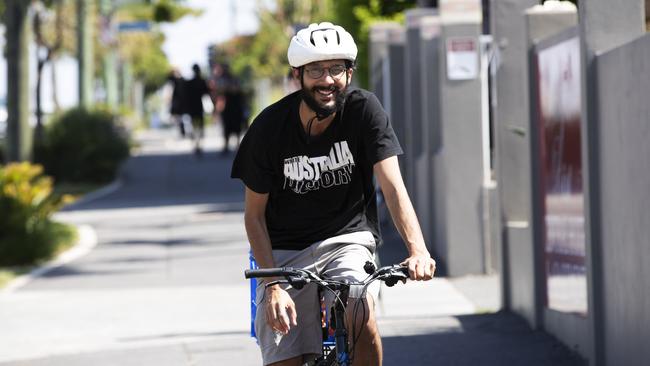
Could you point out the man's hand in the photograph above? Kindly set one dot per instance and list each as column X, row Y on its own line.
column 280, row 309
column 421, row 266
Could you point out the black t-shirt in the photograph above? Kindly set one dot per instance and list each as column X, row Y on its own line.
column 322, row 186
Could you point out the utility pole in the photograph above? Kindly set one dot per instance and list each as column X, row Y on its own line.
column 17, row 50
column 85, row 52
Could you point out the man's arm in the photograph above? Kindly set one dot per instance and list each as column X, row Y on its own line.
column 280, row 309
column 421, row 265
column 255, row 222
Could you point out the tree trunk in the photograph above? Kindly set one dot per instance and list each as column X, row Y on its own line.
column 55, row 94
column 40, row 64
column 85, row 52
column 38, row 132
column 18, row 140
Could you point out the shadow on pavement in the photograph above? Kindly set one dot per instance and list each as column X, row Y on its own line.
column 483, row 339
column 174, row 179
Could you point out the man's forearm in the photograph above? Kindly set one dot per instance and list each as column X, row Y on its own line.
column 260, row 242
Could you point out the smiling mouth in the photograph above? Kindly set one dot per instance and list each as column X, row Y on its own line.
column 326, row 92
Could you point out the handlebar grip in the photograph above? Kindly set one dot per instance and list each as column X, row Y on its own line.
column 269, row 272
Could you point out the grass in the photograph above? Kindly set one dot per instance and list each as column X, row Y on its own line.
column 8, row 274
column 62, row 237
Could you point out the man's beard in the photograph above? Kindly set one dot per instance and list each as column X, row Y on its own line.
column 321, row 110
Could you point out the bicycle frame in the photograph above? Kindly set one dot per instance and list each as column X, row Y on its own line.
column 340, row 354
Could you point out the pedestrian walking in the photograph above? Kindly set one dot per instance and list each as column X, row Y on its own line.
column 177, row 104
column 234, row 109
column 196, row 89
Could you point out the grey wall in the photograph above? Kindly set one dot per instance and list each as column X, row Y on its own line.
column 601, row 29
column 379, row 40
column 460, row 111
column 417, row 129
column 394, row 93
column 623, row 87
column 430, row 109
column 512, row 155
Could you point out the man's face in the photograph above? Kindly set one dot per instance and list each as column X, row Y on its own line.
column 324, row 85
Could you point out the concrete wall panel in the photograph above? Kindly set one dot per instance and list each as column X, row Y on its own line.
column 430, row 108
column 520, row 283
column 418, row 130
column 623, row 112
column 460, row 109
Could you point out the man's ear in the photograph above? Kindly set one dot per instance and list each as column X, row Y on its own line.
column 350, row 71
column 295, row 71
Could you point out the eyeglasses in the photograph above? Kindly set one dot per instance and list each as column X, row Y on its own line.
column 336, row 71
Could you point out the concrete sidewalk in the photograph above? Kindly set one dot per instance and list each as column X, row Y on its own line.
column 164, row 285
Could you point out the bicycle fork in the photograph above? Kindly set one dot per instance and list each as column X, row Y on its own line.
column 340, row 333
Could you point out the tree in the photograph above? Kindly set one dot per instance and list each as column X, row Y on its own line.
column 17, row 53
column 49, row 44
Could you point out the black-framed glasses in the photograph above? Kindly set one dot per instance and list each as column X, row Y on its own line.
column 316, row 72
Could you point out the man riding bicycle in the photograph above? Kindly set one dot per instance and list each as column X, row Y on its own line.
column 308, row 163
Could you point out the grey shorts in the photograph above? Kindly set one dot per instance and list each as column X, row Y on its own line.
column 340, row 257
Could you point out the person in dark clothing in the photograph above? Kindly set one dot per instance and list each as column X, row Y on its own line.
column 177, row 105
column 234, row 110
column 309, row 163
column 196, row 88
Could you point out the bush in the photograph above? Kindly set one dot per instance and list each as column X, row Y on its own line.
column 84, row 146
column 27, row 235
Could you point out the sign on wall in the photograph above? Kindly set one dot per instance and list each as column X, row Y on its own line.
column 559, row 106
column 462, row 58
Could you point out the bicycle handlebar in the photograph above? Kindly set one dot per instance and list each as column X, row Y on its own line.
column 389, row 274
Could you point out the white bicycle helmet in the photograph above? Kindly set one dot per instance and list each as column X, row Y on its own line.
column 320, row 42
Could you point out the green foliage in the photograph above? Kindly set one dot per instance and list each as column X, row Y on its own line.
column 159, row 11
column 84, row 146
column 265, row 53
column 27, row 235
column 358, row 21
column 143, row 50
column 150, row 64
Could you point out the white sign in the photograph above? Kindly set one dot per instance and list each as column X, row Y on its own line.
column 462, row 58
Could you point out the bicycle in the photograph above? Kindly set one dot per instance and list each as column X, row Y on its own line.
column 336, row 351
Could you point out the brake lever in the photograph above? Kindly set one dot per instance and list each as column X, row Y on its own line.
column 395, row 274
column 298, row 282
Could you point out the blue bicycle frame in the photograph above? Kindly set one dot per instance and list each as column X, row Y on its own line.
column 329, row 343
